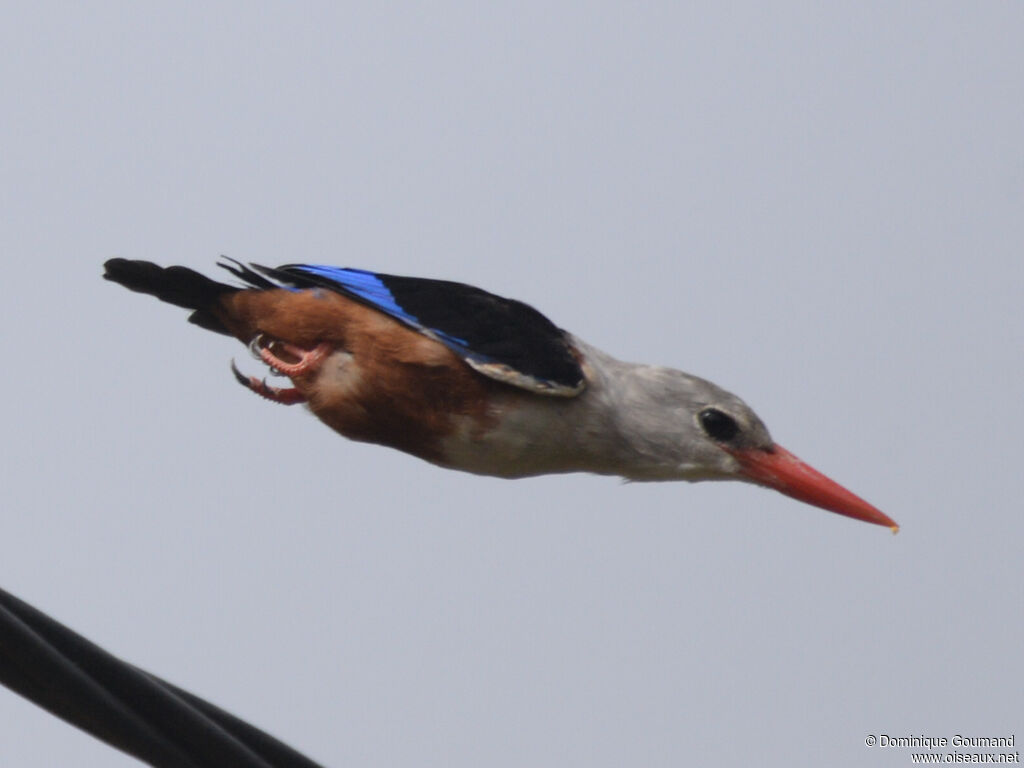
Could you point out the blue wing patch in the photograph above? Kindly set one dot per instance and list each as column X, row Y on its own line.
column 369, row 287
column 500, row 338
column 362, row 283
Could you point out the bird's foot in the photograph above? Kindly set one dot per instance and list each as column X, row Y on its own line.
column 284, row 359
column 289, row 396
column 297, row 361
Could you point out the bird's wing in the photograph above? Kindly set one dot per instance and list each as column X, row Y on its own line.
column 500, row 338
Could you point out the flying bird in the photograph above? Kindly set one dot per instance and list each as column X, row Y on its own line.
column 473, row 381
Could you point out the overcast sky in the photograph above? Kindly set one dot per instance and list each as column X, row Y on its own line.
column 818, row 206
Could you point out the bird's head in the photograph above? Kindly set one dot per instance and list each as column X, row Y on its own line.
column 699, row 431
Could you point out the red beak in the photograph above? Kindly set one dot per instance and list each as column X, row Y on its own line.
column 779, row 469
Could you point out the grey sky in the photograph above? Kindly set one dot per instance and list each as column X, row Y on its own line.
column 818, row 206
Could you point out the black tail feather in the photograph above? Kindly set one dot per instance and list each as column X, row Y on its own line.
column 187, row 288
column 180, row 286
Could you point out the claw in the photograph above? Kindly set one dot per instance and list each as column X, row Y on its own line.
column 255, row 346
column 289, row 396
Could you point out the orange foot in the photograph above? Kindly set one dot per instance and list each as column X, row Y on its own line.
column 285, row 359
column 289, row 396
column 305, row 360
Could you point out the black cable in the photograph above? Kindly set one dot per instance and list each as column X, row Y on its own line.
column 125, row 706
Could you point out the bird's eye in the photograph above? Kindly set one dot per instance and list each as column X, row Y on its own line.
column 718, row 425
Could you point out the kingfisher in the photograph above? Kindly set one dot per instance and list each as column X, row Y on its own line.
column 473, row 381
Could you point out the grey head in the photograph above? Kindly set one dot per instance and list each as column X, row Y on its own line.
column 676, row 426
